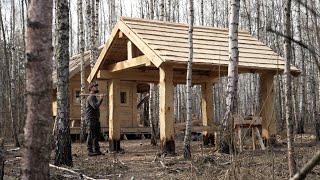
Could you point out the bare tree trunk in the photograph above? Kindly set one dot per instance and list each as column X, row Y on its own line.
column 63, row 139
column 187, row 137
column 161, row 10
column 315, row 110
column 36, row 155
column 152, row 114
column 88, row 24
column 201, row 13
column 288, row 98
column 301, row 120
column 151, row 9
column 112, row 14
column 82, row 74
column 232, row 86
column 13, row 99
column 92, row 35
column 151, row 109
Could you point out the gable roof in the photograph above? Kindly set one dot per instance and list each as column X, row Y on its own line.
column 167, row 42
column 74, row 65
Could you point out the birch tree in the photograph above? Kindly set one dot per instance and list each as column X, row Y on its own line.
column 14, row 62
column 152, row 104
column 187, row 137
column 300, row 55
column 82, row 72
column 232, row 86
column 63, row 139
column 36, row 152
column 161, row 10
column 288, row 98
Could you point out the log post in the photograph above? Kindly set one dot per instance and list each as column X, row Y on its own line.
column 267, row 105
column 166, row 110
column 114, row 121
column 207, row 111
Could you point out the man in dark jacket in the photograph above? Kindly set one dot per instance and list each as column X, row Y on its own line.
column 92, row 117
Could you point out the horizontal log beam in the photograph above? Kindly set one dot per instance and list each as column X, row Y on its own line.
column 150, row 77
column 130, row 63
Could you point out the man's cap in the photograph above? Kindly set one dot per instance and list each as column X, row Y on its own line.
column 92, row 85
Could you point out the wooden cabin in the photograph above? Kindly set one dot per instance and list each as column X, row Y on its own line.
column 149, row 51
column 128, row 92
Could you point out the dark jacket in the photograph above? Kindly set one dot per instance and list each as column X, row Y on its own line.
column 92, row 107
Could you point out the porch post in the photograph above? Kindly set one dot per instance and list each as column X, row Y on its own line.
column 207, row 111
column 166, row 110
column 267, row 104
column 114, row 121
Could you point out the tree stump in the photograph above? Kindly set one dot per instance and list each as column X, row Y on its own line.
column 2, row 151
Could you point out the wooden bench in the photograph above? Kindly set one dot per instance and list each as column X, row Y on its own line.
column 253, row 122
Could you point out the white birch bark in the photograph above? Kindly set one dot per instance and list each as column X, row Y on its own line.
column 288, row 88
column 300, row 58
column 231, row 100
column 14, row 63
column 187, row 137
column 36, row 153
column 88, row 23
column 161, row 10
column 82, row 72
column 63, row 140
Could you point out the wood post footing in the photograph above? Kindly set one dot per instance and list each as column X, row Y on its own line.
column 114, row 145
column 168, row 147
column 208, row 139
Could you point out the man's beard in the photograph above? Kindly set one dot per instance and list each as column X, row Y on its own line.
column 96, row 91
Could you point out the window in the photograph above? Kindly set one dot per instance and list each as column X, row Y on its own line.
column 77, row 97
column 124, row 98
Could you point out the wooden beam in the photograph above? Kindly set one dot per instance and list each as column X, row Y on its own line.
column 114, row 107
column 166, row 110
column 103, row 53
column 121, row 35
column 130, row 50
column 267, row 105
column 150, row 76
column 130, row 63
column 143, row 47
column 207, row 111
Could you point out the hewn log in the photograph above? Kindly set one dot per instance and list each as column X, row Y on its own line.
column 267, row 105
column 166, row 110
column 207, row 111
column 114, row 123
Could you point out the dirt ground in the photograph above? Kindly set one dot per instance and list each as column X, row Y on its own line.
column 139, row 161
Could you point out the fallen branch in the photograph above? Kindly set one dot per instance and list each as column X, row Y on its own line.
column 163, row 165
column 307, row 168
column 82, row 176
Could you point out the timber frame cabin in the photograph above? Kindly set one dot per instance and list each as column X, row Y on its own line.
column 130, row 124
column 150, row 51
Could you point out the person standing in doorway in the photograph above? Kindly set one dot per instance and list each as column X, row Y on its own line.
column 92, row 118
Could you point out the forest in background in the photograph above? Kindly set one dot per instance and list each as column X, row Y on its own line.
column 264, row 20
